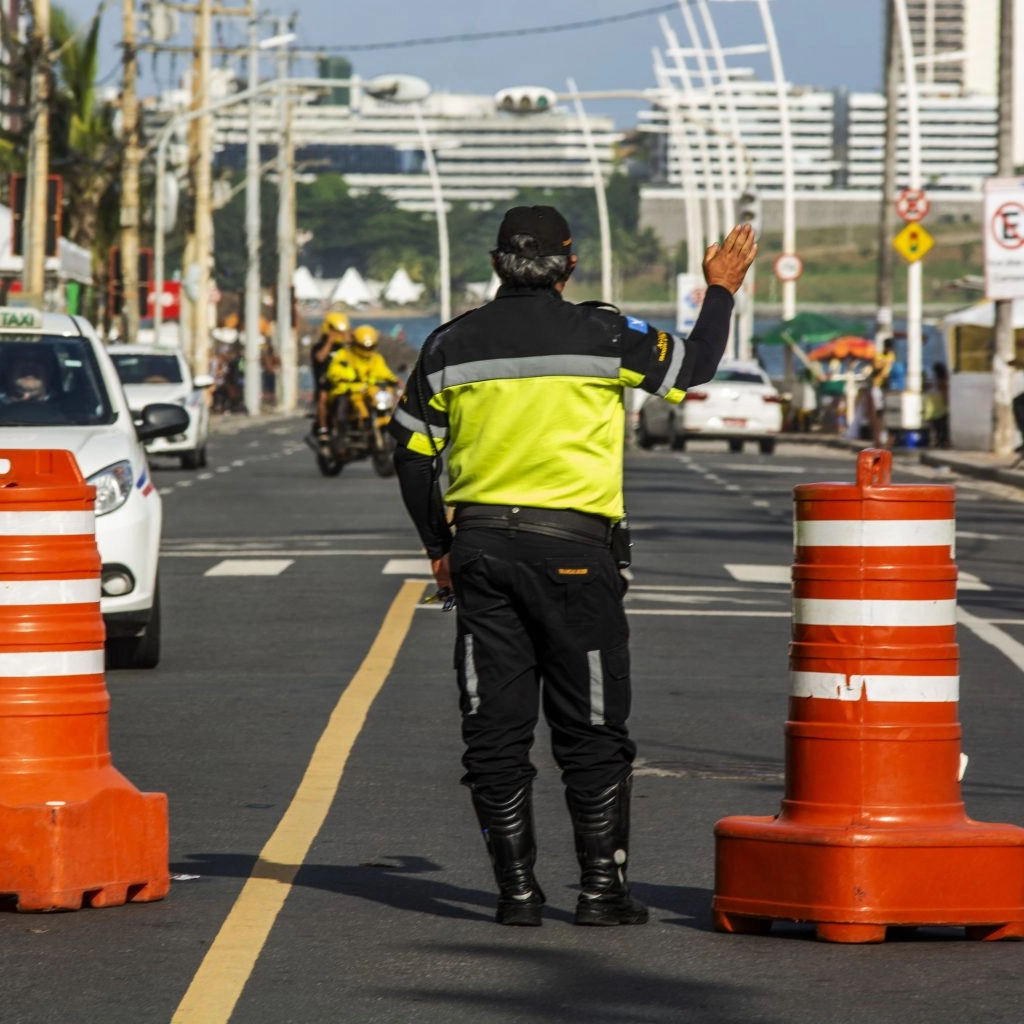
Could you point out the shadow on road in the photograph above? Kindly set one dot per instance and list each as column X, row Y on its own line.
column 401, row 882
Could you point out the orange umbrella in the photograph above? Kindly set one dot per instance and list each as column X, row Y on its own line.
column 844, row 348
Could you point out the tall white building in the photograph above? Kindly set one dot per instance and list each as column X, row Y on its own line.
column 957, row 44
column 812, row 126
column 484, row 155
column 959, row 146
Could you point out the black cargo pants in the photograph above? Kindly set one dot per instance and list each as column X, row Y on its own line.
column 540, row 619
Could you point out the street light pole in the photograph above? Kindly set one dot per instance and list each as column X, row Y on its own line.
column 599, row 193
column 253, row 387
column 1005, row 430
column 38, row 161
column 745, row 317
column 694, row 224
column 130, row 180
column 711, row 223
column 440, row 213
column 285, row 242
column 910, row 416
column 788, row 182
column 203, row 200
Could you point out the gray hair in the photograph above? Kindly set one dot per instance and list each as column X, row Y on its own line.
column 529, row 271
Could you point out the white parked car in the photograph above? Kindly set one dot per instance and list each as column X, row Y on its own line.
column 738, row 404
column 150, row 374
column 59, row 389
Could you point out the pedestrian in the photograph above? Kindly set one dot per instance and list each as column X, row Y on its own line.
column 938, row 421
column 882, row 368
column 525, row 394
column 1018, row 405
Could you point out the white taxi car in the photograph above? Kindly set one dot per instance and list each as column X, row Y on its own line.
column 152, row 373
column 738, row 404
column 59, row 389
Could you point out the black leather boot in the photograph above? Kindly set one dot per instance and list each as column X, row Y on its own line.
column 507, row 826
column 601, row 824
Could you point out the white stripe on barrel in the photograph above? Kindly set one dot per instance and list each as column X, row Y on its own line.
column 882, row 689
column 51, row 663
column 817, row 611
column 47, row 524
column 29, row 592
column 875, row 533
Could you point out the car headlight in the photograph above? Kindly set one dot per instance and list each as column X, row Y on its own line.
column 113, row 485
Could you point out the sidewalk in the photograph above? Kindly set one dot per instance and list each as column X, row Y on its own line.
column 1004, row 469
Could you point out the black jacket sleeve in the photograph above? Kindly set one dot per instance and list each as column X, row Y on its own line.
column 423, row 501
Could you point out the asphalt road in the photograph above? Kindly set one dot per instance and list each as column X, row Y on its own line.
column 295, row 655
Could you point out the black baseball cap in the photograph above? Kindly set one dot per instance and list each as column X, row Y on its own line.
column 547, row 230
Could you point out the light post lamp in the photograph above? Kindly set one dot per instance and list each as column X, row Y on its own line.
column 412, row 90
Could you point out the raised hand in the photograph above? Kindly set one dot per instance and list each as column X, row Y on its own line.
column 727, row 264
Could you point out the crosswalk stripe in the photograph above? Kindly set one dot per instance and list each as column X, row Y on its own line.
column 250, row 567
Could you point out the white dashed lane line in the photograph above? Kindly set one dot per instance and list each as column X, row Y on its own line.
column 250, row 567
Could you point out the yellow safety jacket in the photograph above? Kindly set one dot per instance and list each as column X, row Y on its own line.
column 526, row 394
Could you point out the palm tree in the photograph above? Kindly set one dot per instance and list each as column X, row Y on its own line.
column 85, row 148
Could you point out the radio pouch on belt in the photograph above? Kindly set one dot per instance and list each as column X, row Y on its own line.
column 621, row 544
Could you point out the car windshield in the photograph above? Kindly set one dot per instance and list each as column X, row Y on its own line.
column 51, row 381
column 738, row 377
column 145, row 368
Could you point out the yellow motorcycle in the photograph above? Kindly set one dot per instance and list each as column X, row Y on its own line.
column 357, row 424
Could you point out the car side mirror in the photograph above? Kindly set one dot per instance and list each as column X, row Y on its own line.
column 161, row 419
column 202, row 380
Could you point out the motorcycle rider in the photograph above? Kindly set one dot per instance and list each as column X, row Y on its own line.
column 335, row 336
column 353, row 370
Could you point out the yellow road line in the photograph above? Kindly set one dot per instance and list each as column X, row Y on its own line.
column 225, row 969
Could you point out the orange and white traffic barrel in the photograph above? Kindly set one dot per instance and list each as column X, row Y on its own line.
column 872, row 830
column 73, row 830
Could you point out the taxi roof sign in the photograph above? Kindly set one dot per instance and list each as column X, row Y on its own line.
column 20, row 318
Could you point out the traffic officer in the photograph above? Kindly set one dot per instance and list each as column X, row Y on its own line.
column 335, row 335
column 525, row 394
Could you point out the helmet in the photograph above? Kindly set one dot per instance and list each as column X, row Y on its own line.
column 366, row 336
column 335, row 323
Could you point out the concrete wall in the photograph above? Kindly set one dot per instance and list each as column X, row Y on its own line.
column 664, row 210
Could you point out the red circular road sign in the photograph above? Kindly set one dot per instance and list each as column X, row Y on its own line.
column 788, row 266
column 1008, row 225
column 912, row 204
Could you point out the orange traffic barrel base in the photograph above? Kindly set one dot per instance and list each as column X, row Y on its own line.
column 99, row 850
column 853, row 883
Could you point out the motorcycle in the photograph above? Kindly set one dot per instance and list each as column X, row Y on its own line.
column 357, row 425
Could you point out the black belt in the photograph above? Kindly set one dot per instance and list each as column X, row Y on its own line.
column 565, row 523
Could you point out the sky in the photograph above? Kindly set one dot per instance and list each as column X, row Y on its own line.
column 826, row 43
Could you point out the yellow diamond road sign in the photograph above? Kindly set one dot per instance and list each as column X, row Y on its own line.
column 913, row 242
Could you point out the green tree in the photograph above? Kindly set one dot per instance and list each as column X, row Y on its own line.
column 85, row 149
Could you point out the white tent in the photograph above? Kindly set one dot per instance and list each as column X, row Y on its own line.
column 352, row 290
column 306, row 287
column 401, row 289
column 983, row 314
column 483, row 291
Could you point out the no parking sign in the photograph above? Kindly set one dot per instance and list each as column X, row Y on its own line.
column 1004, row 238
